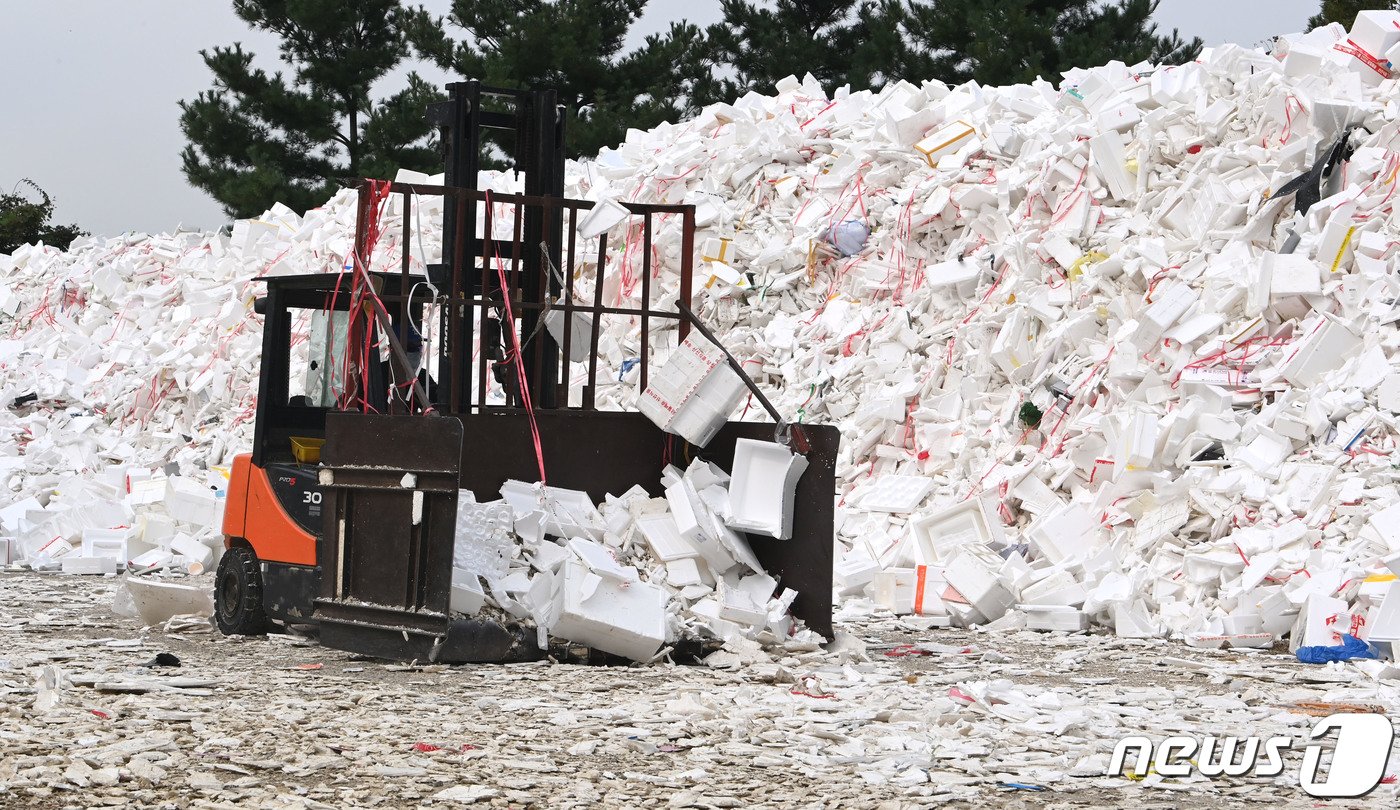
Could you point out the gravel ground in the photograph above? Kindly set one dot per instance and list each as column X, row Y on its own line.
column 958, row 720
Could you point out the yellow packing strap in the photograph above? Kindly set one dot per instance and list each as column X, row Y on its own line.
column 1341, row 251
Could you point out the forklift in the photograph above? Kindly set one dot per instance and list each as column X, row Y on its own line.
column 342, row 517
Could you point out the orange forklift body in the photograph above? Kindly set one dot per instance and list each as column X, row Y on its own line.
column 255, row 516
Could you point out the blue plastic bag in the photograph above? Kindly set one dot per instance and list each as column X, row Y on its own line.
column 848, row 237
column 1351, row 647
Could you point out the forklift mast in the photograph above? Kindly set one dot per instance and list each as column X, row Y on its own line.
column 528, row 126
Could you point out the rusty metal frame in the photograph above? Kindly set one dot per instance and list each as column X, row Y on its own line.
column 470, row 300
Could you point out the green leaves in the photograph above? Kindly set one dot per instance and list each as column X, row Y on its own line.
column 1345, row 11
column 577, row 48
column 24, row 221
column 1016, row 41
column 295, row 135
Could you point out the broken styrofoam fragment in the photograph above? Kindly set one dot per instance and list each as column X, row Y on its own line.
column 896, row 493
column 664, row 538
column 763, row 487
column 467, row 596
column 613, row 615
column 484, row 536
column 1323, row 349
column 1054, row 617
column 157, row 601
column 604, row 215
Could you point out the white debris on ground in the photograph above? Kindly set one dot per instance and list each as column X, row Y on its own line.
column 1016, row 718
column 1092, row 363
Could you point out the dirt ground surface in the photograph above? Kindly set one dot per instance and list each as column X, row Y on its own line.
column 963, row 719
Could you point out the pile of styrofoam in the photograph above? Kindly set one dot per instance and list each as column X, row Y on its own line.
column 627, row 576
column 1214, row 368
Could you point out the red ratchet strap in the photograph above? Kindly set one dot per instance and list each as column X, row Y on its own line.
column 521, row 382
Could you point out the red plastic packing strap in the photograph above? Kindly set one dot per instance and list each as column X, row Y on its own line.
column 521, row 381
column 1379, row 66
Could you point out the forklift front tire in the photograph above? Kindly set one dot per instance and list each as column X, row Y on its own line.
column 238, row 594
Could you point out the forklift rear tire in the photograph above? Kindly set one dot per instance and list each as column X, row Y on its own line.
column 238, row 594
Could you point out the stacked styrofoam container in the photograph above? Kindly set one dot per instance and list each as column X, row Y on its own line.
column 1216, row 370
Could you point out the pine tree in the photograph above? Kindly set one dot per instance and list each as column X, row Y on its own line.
column 577, row 48
column 1345, row 11
column 1014, row 41
column 839, row 42
column 24, row 221
column 257, row 138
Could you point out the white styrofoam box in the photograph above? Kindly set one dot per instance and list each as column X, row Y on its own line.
column 1053, row 617
column 763, row 486
column 938, row 534
column 7, row 550
column 1014, row 344
column 707, row 410
column 1265, row 453
column 896, row 493
column 1375, row 32
column 1120, row 118
column 1137, row 442
column 106, row 543
column 75, row 564
column 694, row 391
column 155, row 558
column 945, row 141
column 190, row 503
column 547, row 556
column 972, row 572
column 467, row 595
column 664, row 539
column 1292, row 274
column 1320, row 623
column 1325, row 348
column 1070, row 533
column 157, row 600
column 1035, row 496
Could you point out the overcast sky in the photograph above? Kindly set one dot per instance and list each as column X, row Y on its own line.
column 90, row 89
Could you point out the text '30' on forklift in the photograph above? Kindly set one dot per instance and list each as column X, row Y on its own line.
column 358, row 541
